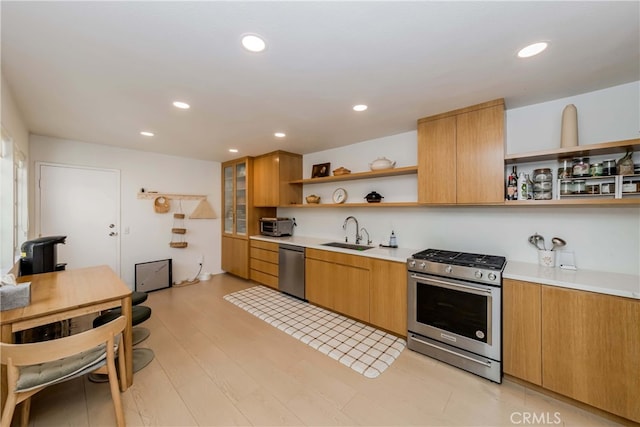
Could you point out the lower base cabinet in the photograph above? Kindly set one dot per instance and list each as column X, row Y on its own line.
column 591, row 349
column 367, row 289
column 235, row 256
column 388, row 296
column 263, row 263
column 521, row 330
column 339, row 282
column 582, row 345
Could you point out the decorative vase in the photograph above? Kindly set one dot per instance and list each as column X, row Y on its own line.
column 569, row 131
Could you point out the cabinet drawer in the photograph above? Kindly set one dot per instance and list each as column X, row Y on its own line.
column 265, row 267
column 339, row 258
column 265, row 279
column 264, row 255
column 270, row 246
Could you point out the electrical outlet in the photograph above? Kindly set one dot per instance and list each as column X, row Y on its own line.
column 200, row 259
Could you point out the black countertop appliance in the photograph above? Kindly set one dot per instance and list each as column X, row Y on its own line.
column 40, row 255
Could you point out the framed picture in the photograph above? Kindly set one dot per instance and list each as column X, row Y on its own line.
column 320, row 170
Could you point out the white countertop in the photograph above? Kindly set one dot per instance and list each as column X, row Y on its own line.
column 389, row 254
column 623, row 285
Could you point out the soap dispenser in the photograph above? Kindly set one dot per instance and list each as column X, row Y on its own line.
column 392, row 240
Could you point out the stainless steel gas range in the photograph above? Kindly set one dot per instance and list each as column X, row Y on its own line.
column 455, row 309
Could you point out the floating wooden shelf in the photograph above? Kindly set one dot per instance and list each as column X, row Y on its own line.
column 407, row 170
column 172, row 196
column 615, row 147
column 596, row 201
column 353, row 205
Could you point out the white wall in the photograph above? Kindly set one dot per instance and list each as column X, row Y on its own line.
column 611, row 114
column 15, row 128
column 149, row 232
column 603, row 238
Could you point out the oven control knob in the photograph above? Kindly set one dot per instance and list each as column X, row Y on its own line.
column 449, row 269
column 412, row 263
column 478, row 274
column 492, row 276
column 423, row 265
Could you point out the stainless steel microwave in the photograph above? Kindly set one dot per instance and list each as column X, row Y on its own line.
column 276, row 226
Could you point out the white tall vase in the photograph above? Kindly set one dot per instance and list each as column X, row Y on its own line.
column 569, row 131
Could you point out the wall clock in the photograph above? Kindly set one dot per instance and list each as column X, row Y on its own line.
column 340, row 195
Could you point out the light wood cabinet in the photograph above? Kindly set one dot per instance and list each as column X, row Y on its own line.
column 591, row 349
column 234, row 258
column 367, row 289
column 339, row 282
column 263, row 262
column 461, row 156
column 582, row 345
column 388, row 296
column 521, row 330
column 240, row 216
column 273, row 173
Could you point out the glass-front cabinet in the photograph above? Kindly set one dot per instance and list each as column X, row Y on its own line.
column 235, row 198
column 240, row 216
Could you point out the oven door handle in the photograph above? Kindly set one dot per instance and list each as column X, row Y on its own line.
column 480, row 362
column 452, row 284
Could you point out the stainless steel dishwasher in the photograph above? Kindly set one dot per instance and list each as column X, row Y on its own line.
column 291, row 270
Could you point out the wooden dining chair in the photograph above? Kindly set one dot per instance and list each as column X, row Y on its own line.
column 35, row 366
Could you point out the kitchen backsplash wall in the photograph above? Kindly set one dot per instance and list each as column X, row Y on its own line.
column 602, row 238
column 149, row 232
column 605, row 239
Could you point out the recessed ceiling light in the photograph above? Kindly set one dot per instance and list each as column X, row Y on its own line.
column 253, row 43
column 146, row 133
column 233, row 150
column 532, row 49
column 182, row 105
column 280, row 134
column 360, row 107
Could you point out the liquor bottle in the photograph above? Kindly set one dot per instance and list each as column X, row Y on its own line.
column 512, row 185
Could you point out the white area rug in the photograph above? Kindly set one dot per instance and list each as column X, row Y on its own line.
column 361, row 347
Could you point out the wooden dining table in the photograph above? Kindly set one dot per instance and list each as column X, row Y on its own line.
column 66, row 294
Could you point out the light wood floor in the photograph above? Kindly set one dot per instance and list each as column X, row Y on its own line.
column 217, row 365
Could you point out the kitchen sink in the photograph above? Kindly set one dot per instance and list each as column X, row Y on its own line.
column 348, row 246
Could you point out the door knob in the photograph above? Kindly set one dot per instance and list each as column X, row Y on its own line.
column 113, row 233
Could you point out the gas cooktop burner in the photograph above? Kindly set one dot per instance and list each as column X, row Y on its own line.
column 491, row 262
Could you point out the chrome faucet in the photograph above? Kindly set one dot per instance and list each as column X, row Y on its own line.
column 368, row 237
column 344, row 227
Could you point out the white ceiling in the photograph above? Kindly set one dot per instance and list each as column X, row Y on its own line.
column 103, row 71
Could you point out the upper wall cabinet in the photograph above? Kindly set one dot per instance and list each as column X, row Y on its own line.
column 272, row 174
column 461, row 156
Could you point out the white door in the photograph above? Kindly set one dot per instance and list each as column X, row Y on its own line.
column 84, row 205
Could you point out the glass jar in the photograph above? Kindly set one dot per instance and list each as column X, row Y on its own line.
column 581, row 166
column 596, row 169
column 542, row 184
column 566, row 187
column 593, row 189
column 607, row 188
column 579, row 186
column 565, row 170
column 609, row 167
